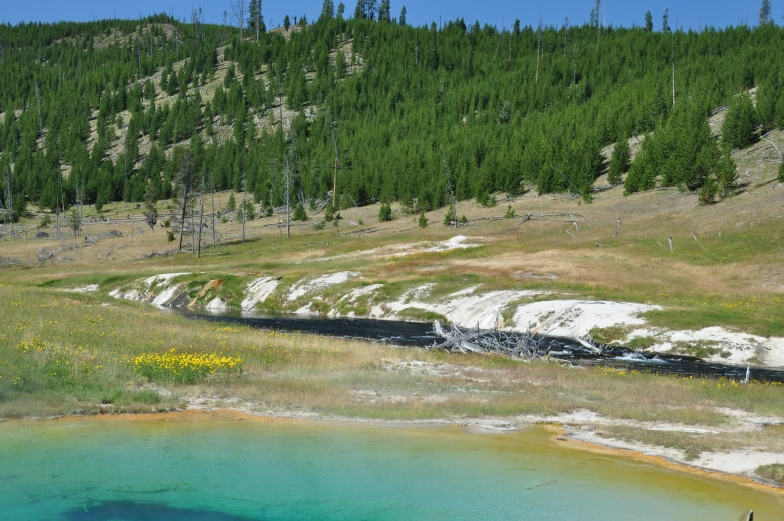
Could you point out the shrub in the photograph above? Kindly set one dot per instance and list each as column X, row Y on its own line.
column 329, row 212
column 773, row 472
column 170, row 236
column 299, row 213
column 510, row 213
column 463, row 220
column 385, row 213
column 781, row 173
column 422, row 220
column 707, row 194
column 46, row 220
column 449, row 218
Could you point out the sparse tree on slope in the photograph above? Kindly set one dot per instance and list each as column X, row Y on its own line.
column 726, row 174
column 648, row 21
column 619, row 163
column 384, row 14
column 764, row 13
column 666, row 21
column 238, row 16
column 185, row 180
column 740, row 124
column 256, row 18
column 151, row 205
column 328, row 9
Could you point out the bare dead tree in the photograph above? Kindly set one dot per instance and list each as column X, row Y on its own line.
column 287, row 176
column 337, row 159
column 244, row 205
column 538, row 47
column 184, row 188
column 528, row 345
column 238, row 13
column 451, row 188
column 201, row 216
column 9, row 198
column 212, row 191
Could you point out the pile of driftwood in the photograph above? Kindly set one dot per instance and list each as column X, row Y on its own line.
column 528, row 346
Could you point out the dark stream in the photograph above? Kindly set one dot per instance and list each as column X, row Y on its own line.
column 418, row 334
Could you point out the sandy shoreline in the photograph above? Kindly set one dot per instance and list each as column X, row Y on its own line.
column 568, row 434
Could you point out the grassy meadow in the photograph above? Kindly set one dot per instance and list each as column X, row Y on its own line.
column 63, row 352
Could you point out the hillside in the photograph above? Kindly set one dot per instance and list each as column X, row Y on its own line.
column 418, row 113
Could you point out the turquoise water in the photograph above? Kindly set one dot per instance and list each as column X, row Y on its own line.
column 186, row 468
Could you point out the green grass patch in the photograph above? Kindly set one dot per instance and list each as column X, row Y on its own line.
column 773, row 472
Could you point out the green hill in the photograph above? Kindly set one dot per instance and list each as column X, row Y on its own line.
column 92, row 111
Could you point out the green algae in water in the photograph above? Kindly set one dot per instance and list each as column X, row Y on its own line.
column 184, row 469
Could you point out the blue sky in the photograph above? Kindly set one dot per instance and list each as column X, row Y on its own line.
column 689, row 13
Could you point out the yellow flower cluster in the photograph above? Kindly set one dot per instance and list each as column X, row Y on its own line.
column 36, row 344
column 184, row 367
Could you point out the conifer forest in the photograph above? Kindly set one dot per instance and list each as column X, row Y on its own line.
column 116, row 109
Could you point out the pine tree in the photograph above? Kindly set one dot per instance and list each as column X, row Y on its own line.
column 384, row 14
column 727, row 174
column 619, row 163
column 299, row 213
column 151, row 204
column 648, row 22
column 666, row 21
column 231, row 205
column 422, row 220
column 740, row 124
column 402, row 19
column 328, row 9
column 764, row 13
column 341, row 10
column 74, row 222
column 781, row 173
column 286, row 23
column 385, row 213
column 256, row 18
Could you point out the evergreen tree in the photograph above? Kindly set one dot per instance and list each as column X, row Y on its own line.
column 341, row 10
column 250, row 211
column 740, row 123
column 256, row 18
column 666, row 21
column 151, row 204
column 231, row 205
column 422, row 220
column 286, row 23
column 74, row 221
column 384, row 14
column 764, row 13
column 328, row 9
column 648, row 22
column 781, row 173
column 619, row 163
column 402, row 19
column 385, row 213
column 299, row 213
column 726, row 174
